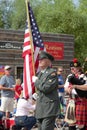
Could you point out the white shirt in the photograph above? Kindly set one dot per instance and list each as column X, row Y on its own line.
column 24, row 106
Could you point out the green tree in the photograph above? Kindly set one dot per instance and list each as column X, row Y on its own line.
column 82, row 42
column 1, row 20
column 55, row 16
column 19, row 15
column 64, row 17
column 6, row 11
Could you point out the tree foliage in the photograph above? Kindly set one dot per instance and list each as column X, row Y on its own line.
column 19, row 15
column 6, row 10
column 54, row 16
column 1, row 20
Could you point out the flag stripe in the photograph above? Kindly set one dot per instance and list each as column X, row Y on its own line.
column 26, row 48
column 36, row 52
column 28, row 76
column 26, row 34
column 26, row 39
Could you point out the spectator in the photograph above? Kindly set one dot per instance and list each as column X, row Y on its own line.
column 22, row 117
column 7, row 91
column 61, row 85
column 47, row 107
column 18, row 89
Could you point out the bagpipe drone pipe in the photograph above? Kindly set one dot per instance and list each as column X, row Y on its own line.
column 72, row 79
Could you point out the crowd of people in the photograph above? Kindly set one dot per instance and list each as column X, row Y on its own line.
column 45, row 104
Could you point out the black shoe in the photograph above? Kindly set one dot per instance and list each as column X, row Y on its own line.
column 72, row 127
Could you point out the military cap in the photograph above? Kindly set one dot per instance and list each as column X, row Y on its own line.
column 45, row 55
column 75, row 63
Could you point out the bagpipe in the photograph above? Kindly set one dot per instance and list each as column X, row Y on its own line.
column 72, row 79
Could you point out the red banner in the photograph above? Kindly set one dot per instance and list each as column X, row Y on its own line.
column 56, row 49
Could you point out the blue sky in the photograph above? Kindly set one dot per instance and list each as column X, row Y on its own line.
column 76, row 2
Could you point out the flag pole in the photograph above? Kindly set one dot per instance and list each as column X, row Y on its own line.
column 31, row 40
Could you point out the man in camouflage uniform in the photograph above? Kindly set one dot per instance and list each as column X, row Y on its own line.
column 46, row 83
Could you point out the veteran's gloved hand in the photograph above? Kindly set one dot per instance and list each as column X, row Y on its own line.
column 34, row 78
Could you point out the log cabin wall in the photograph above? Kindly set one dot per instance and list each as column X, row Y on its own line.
column 11, row 43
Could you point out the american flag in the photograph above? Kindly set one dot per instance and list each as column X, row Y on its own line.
column 29, row 63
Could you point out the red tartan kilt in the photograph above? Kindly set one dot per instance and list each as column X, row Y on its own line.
column 81, row 111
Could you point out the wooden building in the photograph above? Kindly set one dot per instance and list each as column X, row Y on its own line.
column 11, row 43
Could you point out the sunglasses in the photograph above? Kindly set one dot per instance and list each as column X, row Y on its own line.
column 9, row 69
column 60, row 70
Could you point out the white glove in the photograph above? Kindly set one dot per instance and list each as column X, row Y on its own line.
column 34, row 78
